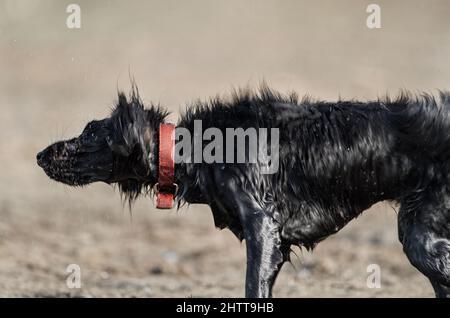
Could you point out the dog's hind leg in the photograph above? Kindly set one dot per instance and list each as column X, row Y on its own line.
column 440, row 290
column 425, row 235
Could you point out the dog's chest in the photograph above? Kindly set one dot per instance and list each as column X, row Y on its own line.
column 307, row 224
column 225, row 219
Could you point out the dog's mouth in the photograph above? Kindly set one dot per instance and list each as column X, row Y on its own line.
column 67, row 162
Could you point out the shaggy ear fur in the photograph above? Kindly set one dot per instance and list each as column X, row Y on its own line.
column 134, row 139
column 117, row 147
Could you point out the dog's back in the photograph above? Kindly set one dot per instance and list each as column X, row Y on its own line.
column 337, row 159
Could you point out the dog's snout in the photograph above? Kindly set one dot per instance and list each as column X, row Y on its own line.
column 43, row 157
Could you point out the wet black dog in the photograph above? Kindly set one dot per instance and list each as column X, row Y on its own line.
column 335, row 160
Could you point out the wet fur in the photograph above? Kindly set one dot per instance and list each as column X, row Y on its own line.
column 336, row 160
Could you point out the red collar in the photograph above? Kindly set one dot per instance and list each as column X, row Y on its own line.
column 166, row 188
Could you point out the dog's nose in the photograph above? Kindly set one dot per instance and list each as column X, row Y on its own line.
column 39, row 158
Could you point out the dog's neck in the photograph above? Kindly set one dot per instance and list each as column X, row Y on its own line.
column 151, row 138
column 187, row 191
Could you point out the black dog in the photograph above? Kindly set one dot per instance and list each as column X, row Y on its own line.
column 335, row 161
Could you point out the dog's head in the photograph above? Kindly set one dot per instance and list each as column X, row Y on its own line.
column 119, row 149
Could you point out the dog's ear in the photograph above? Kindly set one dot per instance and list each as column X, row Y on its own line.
column 118, row 147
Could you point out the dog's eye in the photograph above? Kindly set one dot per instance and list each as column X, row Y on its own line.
column 109, row 141
column 71, row 147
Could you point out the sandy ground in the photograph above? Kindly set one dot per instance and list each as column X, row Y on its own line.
column 53, row 80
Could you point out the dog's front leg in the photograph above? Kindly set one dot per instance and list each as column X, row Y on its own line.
column 265, row 251
column 264, row 255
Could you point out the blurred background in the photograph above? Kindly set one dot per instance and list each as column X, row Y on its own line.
column 53, row 80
